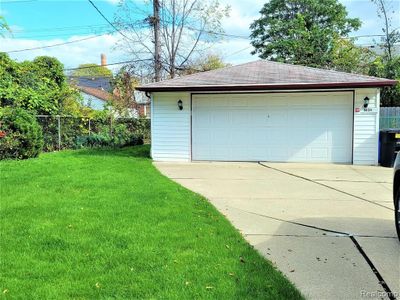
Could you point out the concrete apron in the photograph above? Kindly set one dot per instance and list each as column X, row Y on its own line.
column 328, row 228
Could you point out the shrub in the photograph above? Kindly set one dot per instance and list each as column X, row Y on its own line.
column 20, row 134
column 121, row 137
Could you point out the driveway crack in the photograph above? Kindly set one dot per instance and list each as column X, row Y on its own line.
column 381, row 281
column 325, row 185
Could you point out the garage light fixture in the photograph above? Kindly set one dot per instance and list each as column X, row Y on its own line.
column 180, row 104
column 366, row 102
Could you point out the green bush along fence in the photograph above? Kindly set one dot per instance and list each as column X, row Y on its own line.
column 68, row 132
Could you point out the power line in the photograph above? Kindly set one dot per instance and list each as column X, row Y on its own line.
column 40, row 29
column 20, row 1
column 59, row 35
column 111, row 64
column 104, row 17
column 68, row 31
column 236, row 52
column 212, row 32
column 365, row 35
column 51, row 29
column 221, row 33
column 248, row 37
column 56, row 45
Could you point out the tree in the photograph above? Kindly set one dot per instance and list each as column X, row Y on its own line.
column 124, row 85
column 390, row 96
column 391, row 36
column 300, row 31
column 92, row 70
column 3, row 26
column 348, row 57
column 186, row 27
column 39, row 86
column 388, row 65
column 202, row 64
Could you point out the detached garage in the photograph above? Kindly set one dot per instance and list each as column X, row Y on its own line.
column 266, row 111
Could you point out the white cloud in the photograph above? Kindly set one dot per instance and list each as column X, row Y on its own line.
column 235, row 51
column 71, row 55
column 114, row 2
column 242, row 14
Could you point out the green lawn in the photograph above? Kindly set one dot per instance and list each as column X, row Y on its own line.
column 106, row 224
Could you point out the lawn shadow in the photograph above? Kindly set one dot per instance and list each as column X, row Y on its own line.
column 140, row 151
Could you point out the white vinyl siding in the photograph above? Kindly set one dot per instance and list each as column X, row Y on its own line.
column 170, row 127
column 366, row 128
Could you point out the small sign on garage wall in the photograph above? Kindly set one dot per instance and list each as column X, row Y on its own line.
column 366, row 110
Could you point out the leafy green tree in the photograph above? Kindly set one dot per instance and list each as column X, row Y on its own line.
column 300, row 31
column 390, row 96
column 92, row 70
column 39, row 86
column 348, row 57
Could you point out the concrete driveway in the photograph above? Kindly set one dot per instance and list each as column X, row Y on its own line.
column 328, row 228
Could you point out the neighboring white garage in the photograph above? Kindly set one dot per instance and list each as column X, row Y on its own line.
column 266, row 111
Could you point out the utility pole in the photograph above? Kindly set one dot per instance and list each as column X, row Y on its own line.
column 157, row 45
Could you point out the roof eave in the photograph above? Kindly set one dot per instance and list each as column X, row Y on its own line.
column 91, row 93
column 292, row 86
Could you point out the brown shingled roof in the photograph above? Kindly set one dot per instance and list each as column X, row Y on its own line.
column 265, row 75
column 98, row 93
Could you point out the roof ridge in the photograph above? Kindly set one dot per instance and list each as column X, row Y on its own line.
column 328, row 70
column 268, row 73
column 205, row 72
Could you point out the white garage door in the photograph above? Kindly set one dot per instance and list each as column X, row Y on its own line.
column 298, row 127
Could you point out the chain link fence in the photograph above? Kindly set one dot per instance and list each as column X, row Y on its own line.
column 68, row 132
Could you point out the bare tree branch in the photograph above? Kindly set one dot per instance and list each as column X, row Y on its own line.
column 185, row 26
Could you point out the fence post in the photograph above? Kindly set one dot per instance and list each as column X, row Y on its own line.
column 89, row 127
column 111, row 125
column 59, row 132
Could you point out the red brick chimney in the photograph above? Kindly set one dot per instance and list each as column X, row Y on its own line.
column 103, row 59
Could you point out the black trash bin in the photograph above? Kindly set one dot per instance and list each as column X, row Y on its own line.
column 389, row 140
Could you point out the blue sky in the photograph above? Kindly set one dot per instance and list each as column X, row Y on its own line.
column 38, row 23
column 26, row 16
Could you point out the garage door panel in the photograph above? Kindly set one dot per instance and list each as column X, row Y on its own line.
column 277, row 100
column 273, row 127
column 237, row 101
column 219, row 118
column 319, row 153
column 299, row 154
column 277, row 117
column 278, row 137
column 238, row 117
column 298, row 116
column 258, row 100
column 340, row 154
column 277, row 154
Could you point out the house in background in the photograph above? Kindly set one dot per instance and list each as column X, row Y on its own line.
column 97, row 92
